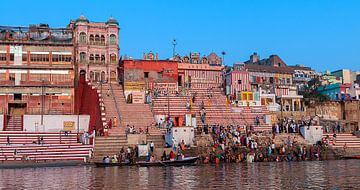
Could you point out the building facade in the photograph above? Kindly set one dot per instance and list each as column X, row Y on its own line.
column 96, row 48
column 142, row 76
column 36, row 70
column 196, row 72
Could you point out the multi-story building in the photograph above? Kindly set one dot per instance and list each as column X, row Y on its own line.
column 96, row 48
column 36, row 70
column 273, row 81
column 200, row 72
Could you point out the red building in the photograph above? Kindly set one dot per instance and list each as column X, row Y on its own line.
column 141, row 76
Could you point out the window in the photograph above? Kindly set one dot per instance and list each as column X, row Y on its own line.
column 91, row 58
column 97, row 58
column 24, row 57
column 288, row 81
column 82, row 57
column 2, row 56
column 112, row 39
column 82, row 37
column 91, row 38
column 102, row 58
column 271, row 80
column 11, row 57
column 40, row 57
column 239, row 81
column 146, row 74
column 61, row 58
column 17, row 96
column 97, row 38
column 113, row 58
column 102, row 39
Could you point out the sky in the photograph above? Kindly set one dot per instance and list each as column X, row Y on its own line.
column 322, row 34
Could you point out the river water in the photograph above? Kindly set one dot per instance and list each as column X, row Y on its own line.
column 339, row 174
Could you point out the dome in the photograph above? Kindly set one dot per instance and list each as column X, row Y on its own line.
column 82, row 18
column 112, row 20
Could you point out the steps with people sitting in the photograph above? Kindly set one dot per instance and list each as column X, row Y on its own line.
column 349, row 139
column 109, row 146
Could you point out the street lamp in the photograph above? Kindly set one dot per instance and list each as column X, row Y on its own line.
column 223, row 53
column 42, row 102
column 174, row 43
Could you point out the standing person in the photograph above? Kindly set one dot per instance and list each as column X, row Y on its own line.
column 8, row 140
column 152, row 145
column 116, row 122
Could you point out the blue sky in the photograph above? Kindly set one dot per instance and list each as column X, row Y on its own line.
column 323, row 34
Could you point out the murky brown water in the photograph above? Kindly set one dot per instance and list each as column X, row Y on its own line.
column 342, row 174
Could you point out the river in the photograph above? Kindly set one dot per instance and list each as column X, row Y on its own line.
column 337, row 174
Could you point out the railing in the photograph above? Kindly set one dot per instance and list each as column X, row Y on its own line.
column 116, row 105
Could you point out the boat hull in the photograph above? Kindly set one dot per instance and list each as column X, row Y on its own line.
column 184, row 162
column 101, row 164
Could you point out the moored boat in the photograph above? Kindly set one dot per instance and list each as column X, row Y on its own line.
column 182, row 162
column 102, row 164
column 352, row 157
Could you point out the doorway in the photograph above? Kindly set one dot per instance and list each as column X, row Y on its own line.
column 17, row 108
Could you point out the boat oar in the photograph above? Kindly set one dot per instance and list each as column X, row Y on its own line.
column 162, row 163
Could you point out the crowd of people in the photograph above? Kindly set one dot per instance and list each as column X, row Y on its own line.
column 239, row 144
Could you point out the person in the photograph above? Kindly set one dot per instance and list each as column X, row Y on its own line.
column 152, row 145
column 86, row 137
column 182, row 145
column 116, row 122
column 163, row 157
column 114, row 159
column 172, row 155
column 109, row 123
column 42, row 140
column 8, row 140
column 106, row 159
column 152, row 158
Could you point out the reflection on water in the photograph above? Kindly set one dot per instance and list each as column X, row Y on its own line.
column 341, row 174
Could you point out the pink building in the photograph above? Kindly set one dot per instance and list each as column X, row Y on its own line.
column 96, row 48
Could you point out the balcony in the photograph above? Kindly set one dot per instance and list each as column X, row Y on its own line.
column 97, row 43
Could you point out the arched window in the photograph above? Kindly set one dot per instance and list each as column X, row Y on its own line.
column 102, row 39
column 102, row 76
column 113, row 58
column 97, row 38
column 97, row 58
column 91, row 58
column 102, row 58
column 112, row 39
column 91, row 38
column 82, row 57
column 82, row 37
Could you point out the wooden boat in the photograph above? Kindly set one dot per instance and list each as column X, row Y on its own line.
column 183, row 162
column 102, row 164
column 352, row 157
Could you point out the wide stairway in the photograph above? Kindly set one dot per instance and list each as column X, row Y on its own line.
column 14, row 123
column 341, row 138
column 55, row 146
column 109, row 146
column 217, row 112
column 137, row 115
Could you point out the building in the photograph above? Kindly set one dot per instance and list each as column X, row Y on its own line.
column 200, row 72
column 345, row 74
column 302, row 75
column 336, row 91
column 140, row 76
column 36, row 70
column 354, row 91
column 274, row 80
column 96, row 48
